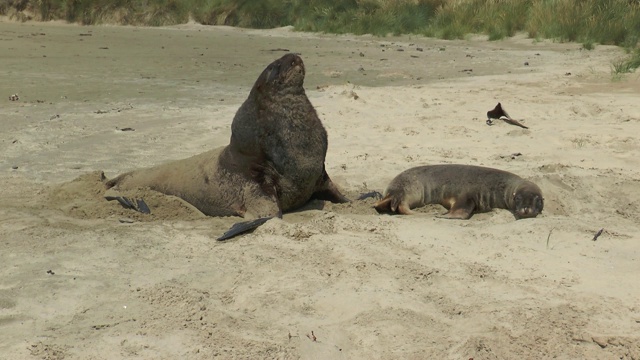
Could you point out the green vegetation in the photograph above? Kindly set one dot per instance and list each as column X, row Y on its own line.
column 629, row 65
column 612, row 22
column 496, row 18
column 588, row 21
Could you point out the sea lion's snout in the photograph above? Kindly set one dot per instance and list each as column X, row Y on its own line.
column 526, row 212
column 290, row 61
column 292, row 69
column 528, row 204
column 285, row 73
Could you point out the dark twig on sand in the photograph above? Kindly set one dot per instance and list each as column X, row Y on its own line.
column 512, row 156
column 277, row 49
column 597, row 235
column 549, row 237
column 312, row 336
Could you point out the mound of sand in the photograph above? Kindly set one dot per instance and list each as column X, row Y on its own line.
column 84, row 198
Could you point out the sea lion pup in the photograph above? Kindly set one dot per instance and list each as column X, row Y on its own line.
column 274, row 162
column 463, row 190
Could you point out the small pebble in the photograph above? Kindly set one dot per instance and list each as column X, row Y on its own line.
column 601, row 341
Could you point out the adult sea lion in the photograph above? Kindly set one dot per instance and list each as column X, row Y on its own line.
column 274, row 162
column 463, row 190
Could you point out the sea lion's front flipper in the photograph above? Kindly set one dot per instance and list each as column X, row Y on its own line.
column 327, row 190
column 404, row 209
column 243, row 227
column 461, row 209
column 261, row 203
column 458, row 214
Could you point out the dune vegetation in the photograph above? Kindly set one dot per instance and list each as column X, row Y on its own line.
column 590, row 22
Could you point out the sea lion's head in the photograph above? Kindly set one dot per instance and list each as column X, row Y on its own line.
column 527, row 200
column 283, row 76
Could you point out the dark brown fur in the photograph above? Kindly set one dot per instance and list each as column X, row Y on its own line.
column 463, row 190
column 274, row 162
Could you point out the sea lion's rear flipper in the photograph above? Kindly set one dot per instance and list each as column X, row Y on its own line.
column 393, row 204
column 127, row 203
column 327, row 190
column 243, row 227
column 383, row 205
column 143, row 207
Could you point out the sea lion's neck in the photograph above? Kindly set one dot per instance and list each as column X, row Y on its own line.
column 277, row 94
column 510, row 193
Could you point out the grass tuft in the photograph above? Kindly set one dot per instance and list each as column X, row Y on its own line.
column 628, row 65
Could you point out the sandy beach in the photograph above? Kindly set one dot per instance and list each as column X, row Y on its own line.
column 83, row 278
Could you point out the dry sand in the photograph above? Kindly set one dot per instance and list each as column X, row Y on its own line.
column 77, row 283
